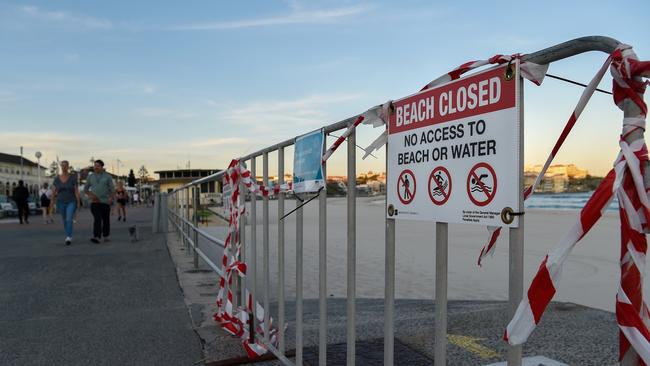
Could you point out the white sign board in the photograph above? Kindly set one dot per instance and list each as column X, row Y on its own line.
column 307, row 163
column 226, row 196
column 453, row 151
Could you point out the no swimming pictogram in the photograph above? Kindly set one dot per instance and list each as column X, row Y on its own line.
column 439, row 185
column 481, row 184
column 406, row 186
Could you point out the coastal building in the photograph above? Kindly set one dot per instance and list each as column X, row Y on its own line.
column 10, row 174
column 557, row 177
column 172, row 179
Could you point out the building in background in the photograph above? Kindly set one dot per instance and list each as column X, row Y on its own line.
column 171, row 179
column 558, row 178
column 10, row 174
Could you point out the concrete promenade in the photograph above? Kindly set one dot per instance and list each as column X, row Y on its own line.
column 116, row 303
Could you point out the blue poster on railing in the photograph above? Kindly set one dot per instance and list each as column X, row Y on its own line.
column 307, row 167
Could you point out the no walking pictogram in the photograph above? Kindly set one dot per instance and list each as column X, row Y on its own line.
column 439, row 185
column 481, row 184
column 406, row 186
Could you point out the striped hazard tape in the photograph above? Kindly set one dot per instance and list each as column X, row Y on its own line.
column 235, row 321
column 626, row 182
column 378, row 116
column 495, row 231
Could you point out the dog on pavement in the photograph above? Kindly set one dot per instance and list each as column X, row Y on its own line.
column 134, row 233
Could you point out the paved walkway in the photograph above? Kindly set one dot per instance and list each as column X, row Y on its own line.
column 116, row 303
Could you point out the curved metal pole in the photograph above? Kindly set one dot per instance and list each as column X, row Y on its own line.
column 572, row 48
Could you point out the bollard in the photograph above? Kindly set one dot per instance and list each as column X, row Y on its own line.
column 155, row 225
column 163, row 224
column 197, row 203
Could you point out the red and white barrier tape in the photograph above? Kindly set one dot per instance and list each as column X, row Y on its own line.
column 341, row 138
column 378, row 115
column 495, row 231
column 234, row 321
column 626, row 181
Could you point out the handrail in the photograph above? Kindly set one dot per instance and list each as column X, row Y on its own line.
column 572, row 48
column 327, row 129
column 207, row 260
column 201, row 232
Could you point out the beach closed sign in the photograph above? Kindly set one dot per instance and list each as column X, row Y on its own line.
column 453, row 151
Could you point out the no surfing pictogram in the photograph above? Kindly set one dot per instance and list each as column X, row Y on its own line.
column 481, row 184
column 439, row 185
column 406, row 186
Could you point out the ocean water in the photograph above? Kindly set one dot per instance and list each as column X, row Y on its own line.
column 563, row 201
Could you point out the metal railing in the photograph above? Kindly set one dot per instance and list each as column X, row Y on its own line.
column 181, row 209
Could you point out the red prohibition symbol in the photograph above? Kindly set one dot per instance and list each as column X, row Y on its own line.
column 406, row 186
column 481, row 184
column 439, row 185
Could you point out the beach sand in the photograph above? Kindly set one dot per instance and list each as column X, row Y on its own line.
column 590, row 276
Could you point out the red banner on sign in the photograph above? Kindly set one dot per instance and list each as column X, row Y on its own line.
column 482, row 93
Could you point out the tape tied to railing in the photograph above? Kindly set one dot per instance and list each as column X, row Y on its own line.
column 379, row 115
column 237, row 321
column 495, row 232
column 625, row 182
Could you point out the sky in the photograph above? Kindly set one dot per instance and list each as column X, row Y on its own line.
column 170, row 84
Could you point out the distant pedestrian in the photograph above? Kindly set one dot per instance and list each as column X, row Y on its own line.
column 136, row 198
column 66, row 195
column 20, row 196
column 45, row 195
column 121, row 196
column 100, row 190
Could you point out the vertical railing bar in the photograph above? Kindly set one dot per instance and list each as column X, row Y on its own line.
column 389, row 295
column 187, row 219
column 280, row 252
column 253, row 261
column 177, row 211
column 516, row 241
column 197, row 203
column 440, row 347
column 242, row 238
column 265, row 238
column 389, row 285
column 299, row 251
column 322, row 272
column 181, row 214
column 352, row 249
column 234, row 288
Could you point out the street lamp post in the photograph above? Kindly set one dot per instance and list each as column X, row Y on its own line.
column 21, row 163
column 38, row 167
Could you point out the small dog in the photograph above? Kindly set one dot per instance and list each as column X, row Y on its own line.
column 134, row 233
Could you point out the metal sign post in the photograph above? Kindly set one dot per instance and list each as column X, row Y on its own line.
column 442, row 240
column 516, row 244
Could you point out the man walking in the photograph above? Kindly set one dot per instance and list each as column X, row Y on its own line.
column 100, row 190
column 20, row 196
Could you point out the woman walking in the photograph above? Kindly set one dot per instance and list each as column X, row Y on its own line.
column 66, row 196
column 121, row 196
column 46, row 198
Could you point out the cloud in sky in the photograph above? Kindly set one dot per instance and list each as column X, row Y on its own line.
column 65, row 18
column 7, row 97
column 158, row 112
column 297, row 16
column 271, row 115
column 72, row 57
column 218, row 142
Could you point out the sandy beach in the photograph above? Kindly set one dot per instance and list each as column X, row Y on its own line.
column 590, row 276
